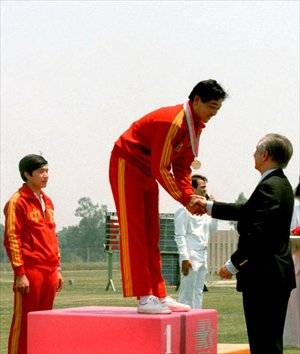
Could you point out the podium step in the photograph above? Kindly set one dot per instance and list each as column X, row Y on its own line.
column 233, row 348
column 121, row 330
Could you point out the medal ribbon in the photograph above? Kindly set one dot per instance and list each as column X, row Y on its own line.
column 193, row 138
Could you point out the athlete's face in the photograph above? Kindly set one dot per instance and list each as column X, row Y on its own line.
column 38, row 179
column 205, row 111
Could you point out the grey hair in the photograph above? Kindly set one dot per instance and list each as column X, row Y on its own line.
column 279, row 148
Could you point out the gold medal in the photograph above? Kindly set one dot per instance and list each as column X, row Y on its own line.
column 196, row 164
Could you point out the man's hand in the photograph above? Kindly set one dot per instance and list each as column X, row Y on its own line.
column 185, row 267
column 224, row 273
column 197, row 205
column 22, row 284
column 202, row 201
column 60, row 281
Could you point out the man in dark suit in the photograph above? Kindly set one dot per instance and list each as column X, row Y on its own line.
column 262, row 262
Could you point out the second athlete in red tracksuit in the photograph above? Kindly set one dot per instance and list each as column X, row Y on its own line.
column 32, row 247
column 156, row 148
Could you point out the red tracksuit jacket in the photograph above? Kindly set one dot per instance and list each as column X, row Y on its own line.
column 30, row 237
column 158, row 143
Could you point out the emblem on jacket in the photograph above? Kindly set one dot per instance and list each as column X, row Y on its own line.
column 35, row 215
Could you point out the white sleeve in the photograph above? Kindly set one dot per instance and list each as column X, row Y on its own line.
column 230, row 267
column 180, row 228
column 213, row 226
column 209, row 205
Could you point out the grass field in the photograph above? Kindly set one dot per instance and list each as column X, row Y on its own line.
column 88, row 289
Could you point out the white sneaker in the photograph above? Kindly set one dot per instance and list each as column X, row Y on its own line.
column 174, row 305
column 153, row 306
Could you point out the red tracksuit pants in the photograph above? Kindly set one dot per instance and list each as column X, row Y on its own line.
column 136, row 199
column 42, row 289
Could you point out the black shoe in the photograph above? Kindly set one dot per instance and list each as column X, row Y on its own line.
column 205, row 288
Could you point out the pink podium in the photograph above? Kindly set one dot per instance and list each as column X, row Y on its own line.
column 121, row 330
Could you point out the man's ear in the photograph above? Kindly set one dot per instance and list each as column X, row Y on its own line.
column 265, row 156
column 197, row 99
column 26, row 174
column 196, row 102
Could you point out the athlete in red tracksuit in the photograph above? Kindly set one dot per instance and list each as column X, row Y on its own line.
column 32, row 247
column 159, row 147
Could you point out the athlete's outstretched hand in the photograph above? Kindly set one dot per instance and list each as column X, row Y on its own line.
column 197, row 205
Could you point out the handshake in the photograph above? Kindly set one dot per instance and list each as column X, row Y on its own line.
column 197, row 205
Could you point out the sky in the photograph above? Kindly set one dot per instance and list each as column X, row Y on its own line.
column 76, row 74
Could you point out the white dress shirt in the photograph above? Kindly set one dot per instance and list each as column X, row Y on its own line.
column 192, row 234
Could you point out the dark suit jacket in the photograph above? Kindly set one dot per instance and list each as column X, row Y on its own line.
column 263, row 256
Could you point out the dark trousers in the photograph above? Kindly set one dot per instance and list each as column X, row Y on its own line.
column 265, row 316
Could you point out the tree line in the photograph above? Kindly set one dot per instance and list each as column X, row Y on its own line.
column 85, row 242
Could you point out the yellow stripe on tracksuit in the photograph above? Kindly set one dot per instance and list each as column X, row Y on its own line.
column 11, row 232
column 17, row 324
column 127, row 281
column 166, row 156
column 16, row 260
